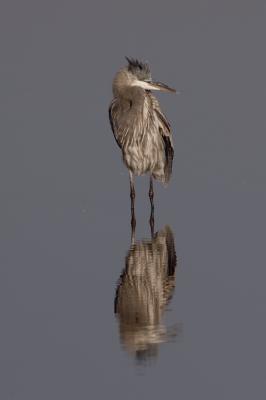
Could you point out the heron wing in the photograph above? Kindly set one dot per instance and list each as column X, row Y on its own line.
column 164, row 125
column 113, row 121
column 165, row 131
column 120, row 121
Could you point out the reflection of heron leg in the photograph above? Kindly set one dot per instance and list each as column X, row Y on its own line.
column 132, row 196
column 151, row 194
column 133, row 240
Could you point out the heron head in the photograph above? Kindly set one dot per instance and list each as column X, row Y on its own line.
column 140, row 75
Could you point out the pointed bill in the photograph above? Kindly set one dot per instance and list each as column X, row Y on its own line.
column 154, row 86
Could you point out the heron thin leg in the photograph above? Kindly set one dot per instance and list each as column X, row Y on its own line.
column 132, row 197
column 151, row 194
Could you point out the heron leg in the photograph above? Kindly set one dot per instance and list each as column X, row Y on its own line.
column 151, row 194
column 132, row 197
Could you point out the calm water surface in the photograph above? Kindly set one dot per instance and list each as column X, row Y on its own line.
column 87, row 313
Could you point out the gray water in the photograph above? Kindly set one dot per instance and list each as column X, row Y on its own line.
column 65, row 212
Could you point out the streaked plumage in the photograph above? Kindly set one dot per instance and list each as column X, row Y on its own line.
column 140, row 128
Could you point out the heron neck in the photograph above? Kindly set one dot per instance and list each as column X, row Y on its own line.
column 135, row 95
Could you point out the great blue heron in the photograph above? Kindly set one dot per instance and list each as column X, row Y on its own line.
column 140, row 128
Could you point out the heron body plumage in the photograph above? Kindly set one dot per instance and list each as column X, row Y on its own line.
column 142, row 139
column 139, row 126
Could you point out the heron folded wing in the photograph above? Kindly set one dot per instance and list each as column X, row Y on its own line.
column 165, row 131
column 121, row 122
column 165, row 125
column 112, row 119
column 169, row 156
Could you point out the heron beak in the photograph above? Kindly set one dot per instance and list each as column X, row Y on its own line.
column 160, row 86
column 149, row 85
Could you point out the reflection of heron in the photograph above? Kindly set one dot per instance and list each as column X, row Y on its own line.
column 140, row 128
column 145, row 288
